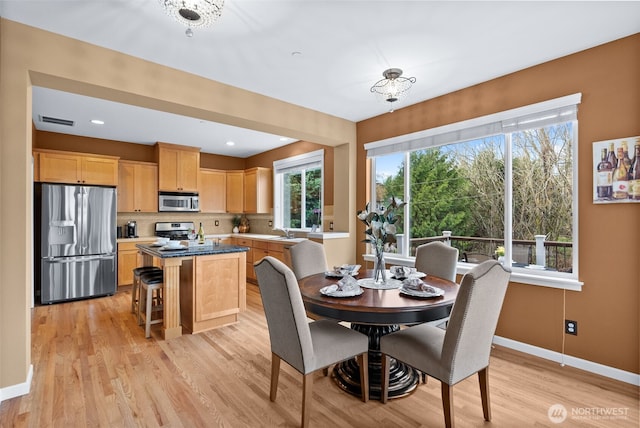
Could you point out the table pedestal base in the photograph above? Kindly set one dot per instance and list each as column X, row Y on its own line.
column 403, row 379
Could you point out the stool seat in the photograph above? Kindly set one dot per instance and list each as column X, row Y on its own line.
column 151, row 286
column 135, row 288
column 152, row 277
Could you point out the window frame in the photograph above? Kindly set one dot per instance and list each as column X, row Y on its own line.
column 300, row 163
column 533, row 116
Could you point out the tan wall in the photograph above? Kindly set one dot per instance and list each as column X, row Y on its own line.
column 607, row 307
column 30, row 56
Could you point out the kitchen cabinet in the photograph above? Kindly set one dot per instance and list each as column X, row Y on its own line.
column 75, row 168
column 137, row 187
column 235, row 191
column 257, row 190
column 212, row 291
column 178, row 167
column 259, row 249
column 213, row 191
column 129, row 258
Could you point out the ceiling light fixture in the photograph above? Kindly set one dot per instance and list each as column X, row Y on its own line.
column 230, row 143
column 193, row 13
column 97, row 121
column 393, row 86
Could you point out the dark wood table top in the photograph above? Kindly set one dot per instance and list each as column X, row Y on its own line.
column 381, row 307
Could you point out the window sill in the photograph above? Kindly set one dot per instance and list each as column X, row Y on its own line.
column 519, row 275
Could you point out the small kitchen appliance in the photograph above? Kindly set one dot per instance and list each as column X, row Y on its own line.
column 131, row 229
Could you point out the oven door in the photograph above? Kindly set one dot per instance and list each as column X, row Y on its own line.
column 178, row 202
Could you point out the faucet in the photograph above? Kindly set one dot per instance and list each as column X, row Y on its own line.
column 287, row 233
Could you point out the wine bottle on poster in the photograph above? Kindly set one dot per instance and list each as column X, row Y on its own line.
column 620, row 177
column 634, row 176
column 604, row 177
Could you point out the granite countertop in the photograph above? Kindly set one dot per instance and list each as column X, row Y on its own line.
column 191, row 251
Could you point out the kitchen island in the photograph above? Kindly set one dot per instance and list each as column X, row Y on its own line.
column 204, row 286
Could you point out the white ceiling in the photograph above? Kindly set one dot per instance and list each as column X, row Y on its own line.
column 343, row 48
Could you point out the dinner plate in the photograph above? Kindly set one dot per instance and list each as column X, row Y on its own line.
column 334, row 274
column 332, row 291
column 412, row 274
column 423, row 294
column 165, row 248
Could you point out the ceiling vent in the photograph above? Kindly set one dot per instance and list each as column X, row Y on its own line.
column 56, row 121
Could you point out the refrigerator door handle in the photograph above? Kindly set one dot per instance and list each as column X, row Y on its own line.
column 79, row 259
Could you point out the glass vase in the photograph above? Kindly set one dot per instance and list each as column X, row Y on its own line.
column 379, row 269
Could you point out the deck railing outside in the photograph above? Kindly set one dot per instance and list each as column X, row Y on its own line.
column 558, row 255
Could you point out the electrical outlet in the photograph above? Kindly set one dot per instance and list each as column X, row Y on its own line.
column 571, row 327
column 270, row 223
column 330, row 225
column 217, row 223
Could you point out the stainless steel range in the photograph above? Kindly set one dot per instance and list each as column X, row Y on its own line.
column 173, row 230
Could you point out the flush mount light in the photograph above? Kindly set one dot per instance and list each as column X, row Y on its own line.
column 97, row 121
column 230, row 143
column 193, row 13
column 393, row 87
column 284, row 139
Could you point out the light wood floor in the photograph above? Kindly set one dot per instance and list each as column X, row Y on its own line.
column 94, row 368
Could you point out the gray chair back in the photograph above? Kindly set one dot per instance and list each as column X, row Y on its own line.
column 438, row 259
column 286, row 318
column 473, row 320
column 308, row 258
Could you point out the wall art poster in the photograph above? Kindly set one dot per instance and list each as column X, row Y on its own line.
column 616, row 171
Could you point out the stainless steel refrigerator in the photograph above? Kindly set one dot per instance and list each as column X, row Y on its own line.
column 75, row 242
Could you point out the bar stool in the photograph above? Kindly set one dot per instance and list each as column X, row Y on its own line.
column 151, row 285
column 135, row 289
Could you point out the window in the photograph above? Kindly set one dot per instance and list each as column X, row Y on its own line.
column 500, row 186
column 298, row 191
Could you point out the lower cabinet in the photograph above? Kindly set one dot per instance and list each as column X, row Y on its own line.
column 128, row 259
column 259, row 249
column 212, row 291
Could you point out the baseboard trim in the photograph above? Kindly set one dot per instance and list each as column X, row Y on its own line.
column 579, row 363
column 18, row 389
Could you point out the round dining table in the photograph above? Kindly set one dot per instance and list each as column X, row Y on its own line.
column 377, row 312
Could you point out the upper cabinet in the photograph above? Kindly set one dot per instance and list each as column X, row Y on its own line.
column 213, row 191
column 75, row 168
column 137, row 187
column 235, row 191
column 257, row 190
column 178, row 167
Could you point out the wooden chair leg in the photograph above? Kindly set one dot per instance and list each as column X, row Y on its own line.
column 447, row 404
column 483, row 377
column 147, row 320
column 384, row 393
column 275, row 372
column 307, row 384
column 363, row 362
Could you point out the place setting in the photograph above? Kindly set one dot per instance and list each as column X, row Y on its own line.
column 341, row 271
column 347, row 287
column 173, row 246
column 161, row 242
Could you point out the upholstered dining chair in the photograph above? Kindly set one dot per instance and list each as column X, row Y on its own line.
column 306, row 346
column 308, row 258
column 462, row 349
column 438, row 259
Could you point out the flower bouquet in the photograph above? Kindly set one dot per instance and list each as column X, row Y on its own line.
column 381, row 233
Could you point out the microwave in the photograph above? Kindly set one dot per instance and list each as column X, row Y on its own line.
column 173, row 201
